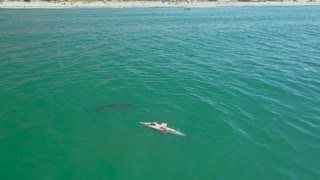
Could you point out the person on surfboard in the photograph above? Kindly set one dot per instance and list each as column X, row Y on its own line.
column 163, row 127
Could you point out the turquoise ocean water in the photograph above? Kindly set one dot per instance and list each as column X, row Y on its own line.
column 243, row 83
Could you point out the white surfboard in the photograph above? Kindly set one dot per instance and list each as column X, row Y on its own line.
column 156, row 126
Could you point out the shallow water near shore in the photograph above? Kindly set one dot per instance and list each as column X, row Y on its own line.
column 243, row 83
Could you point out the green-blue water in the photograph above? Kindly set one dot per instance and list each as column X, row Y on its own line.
column 243, row 83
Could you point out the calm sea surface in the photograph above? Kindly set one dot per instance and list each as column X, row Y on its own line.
column 243, row 83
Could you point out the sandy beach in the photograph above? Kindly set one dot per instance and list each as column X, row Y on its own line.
column 141, row 4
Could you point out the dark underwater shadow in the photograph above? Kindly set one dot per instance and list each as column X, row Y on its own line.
column 112, row 107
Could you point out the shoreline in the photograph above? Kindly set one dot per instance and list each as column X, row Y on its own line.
column 143, row 4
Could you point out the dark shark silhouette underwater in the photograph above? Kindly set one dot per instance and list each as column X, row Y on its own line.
column 113, row 107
